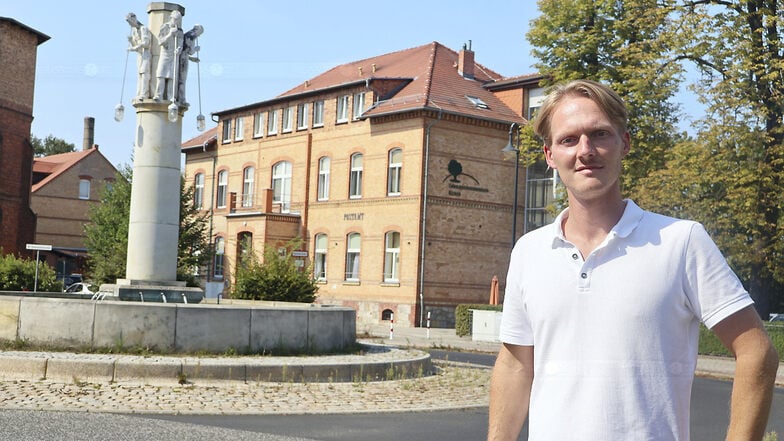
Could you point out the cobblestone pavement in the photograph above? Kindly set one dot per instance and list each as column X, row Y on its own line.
column 450, row 387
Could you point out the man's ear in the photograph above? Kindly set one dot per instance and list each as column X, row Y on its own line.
column 548, row 156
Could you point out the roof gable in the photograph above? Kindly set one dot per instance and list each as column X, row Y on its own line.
column 56, row 165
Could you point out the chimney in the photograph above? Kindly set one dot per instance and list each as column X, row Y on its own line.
column 89, row 133
column 465, row 62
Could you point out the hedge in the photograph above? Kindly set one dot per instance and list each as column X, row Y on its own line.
column 711, row 345
column 463, row 316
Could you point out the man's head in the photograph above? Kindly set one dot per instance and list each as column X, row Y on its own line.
column 132, row 20
column 606, row 98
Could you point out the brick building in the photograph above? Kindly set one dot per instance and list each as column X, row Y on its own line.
column 64, row 188
column 391, row 171
column 18, row 52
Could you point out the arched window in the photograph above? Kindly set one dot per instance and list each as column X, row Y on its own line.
column 244, row 247
column 281, row 185
column 223, row 186
column 352, row 256
column 247, row 186
column 392, row 257
column 393, row 174
column 218, row 261
column 387, row 314
column 84, row 189
column 323, row 178
column 320, row 258
column 355, row 178
column 198, row 190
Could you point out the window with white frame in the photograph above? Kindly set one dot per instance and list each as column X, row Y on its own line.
column 281, row 185
column 359, row 104
column 320, row 258
column 247, row 186
column 218, row 260
column 342, row 109
column 355, row 177
column 223, row 185
column 302, row 116
column 239, row 127
column 258, row 125
column 323, row 178
column 226, row 130
column 352, row 257
column 84, row 189
column 392, row 257
column 287, row 118
column 318, row 113
column 244, row 248
column 394, row 172
column 272, row 122
column 198, row 190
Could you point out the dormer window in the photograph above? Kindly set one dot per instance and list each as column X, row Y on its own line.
column 477, row 102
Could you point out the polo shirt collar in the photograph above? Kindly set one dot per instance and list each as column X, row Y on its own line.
column 632, row 215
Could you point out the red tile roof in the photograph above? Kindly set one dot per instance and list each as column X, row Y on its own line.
column 423, row 77
column 208, row 137
column 55, row 165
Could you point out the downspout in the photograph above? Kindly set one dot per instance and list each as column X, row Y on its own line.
column 212, row 208
column 424, row 223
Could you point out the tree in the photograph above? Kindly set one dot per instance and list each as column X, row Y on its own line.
column 50, row 146
column 107, row 233
column 626, row 45
column 276, row 278
column 19, row 275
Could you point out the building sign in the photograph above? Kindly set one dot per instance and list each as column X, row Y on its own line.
column 353, row 216
column 455, row 169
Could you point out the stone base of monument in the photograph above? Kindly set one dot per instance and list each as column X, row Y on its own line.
column 163, row 292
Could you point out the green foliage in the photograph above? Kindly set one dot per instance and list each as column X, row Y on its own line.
column 276, row 278
column 463, row 316
column 50, row 146
column 19, row 275
column 107, row 234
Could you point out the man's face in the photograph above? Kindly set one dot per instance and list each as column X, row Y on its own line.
column 586, row 149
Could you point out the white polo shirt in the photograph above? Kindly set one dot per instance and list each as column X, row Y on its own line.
column 615, row 334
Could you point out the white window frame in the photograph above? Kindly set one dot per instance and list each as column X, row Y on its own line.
column 258, row 125
column 281, row 185
column 342, row 109
column 302, row 116
column 355, row 176
column 272, row 122
column 394, row 172
column 359, row 105
column 84, row 189
column 223, row 188
column 353, row 248
column 226, row 131
column 318, row 113
column 324, row 165
column 239, row 128
column 248, row 176
column 198, row 191
column 392, row 257
column 288, row 118
column 320, row 257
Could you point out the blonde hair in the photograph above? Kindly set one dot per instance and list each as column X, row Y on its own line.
column 607, row 100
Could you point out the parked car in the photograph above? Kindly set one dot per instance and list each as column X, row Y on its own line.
column 80, row 288
column 774, row 317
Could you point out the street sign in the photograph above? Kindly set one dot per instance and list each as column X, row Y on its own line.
column 38, row 247
column 299, row 253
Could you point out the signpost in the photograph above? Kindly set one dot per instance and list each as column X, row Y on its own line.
column 37, row 248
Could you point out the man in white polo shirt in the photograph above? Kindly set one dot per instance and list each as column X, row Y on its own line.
column 602, row 308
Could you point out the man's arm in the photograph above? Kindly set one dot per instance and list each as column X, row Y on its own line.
column 510, row 391
column 756, row 363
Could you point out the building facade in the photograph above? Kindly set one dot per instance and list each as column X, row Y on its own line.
column 18, row 52
column 388, row 169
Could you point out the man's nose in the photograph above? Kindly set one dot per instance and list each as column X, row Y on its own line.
column 585, row 147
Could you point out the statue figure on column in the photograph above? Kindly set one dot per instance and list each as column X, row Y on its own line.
column 140, row 40
column 170, row 39
column 189, row 48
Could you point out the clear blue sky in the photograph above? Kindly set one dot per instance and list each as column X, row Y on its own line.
column 251, row 50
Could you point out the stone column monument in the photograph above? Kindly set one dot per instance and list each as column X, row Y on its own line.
column 153, row 230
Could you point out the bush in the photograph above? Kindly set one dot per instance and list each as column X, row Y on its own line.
column 19, row 275
column 277, row 278
column 463, row 316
